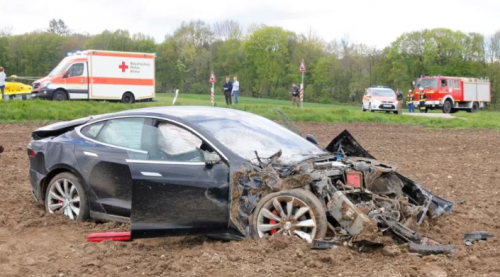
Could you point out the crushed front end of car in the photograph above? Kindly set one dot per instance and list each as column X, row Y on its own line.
column 365, row 201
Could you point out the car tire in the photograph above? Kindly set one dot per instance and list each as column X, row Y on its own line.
column 370, row 108
column 59, row 95
column 447, row 106
column 395, row 112
column 363, row 107
column 306, row 218
column 65, row 194
column 128, row 98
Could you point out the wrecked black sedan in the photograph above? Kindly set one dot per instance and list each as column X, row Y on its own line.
column 221, row 172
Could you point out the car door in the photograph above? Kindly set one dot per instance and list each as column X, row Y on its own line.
column 175, row 192
column 76, row 79
column 366, row 99
column 102, row 157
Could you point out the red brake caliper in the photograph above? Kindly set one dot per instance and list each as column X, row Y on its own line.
column 272, row 221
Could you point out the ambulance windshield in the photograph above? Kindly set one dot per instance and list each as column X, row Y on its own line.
column 59, row 68
column 428, row 83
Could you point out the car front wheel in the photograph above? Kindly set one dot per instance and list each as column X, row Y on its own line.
column 66, row 195
column 292, row 213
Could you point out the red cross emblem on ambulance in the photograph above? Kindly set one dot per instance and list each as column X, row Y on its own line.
column 123, row 67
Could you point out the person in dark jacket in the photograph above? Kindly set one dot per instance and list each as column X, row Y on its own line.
column 295, row 95
column 228, row 88
column 399, row 97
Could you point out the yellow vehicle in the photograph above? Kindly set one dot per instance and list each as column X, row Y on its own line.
column 14, row 90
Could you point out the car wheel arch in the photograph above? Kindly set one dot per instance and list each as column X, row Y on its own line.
column 54, row 171
column 63, row 90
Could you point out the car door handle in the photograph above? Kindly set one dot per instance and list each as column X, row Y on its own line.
column 82, row 80
column 90, row 154
column 151, row 174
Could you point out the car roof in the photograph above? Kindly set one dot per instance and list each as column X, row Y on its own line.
column 181, row 112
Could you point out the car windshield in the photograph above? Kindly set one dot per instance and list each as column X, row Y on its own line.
column 428, row 83
column 59, row 68
column 384, row 92
column 245, row 135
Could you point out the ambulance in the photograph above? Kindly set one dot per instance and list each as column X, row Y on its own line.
column 100, row 75
column 379, row 98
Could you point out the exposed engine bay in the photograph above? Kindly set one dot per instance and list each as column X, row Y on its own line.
column 365, row 200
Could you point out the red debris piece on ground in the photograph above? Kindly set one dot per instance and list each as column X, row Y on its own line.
column 115, row 236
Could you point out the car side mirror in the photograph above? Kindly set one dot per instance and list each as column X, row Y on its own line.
column 312, row 139
column 211, row 158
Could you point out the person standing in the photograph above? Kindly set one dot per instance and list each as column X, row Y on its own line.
column 409, row 101
column 421, row 99
column 295, row 95
column 399, row 97
column 2, row 82
column 236, row 89
column 227, row 87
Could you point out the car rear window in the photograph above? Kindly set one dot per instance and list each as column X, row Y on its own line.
column 92, row 131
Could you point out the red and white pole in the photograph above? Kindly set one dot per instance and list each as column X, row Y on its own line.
column 302, row 92
column 302, row 69
column 212, row 95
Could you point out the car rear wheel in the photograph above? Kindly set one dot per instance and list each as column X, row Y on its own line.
column 474, row 109
column 292, row 213
column 66, row 195
column 128, row 98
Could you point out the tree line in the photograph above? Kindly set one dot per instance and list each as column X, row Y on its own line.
column 266, row 58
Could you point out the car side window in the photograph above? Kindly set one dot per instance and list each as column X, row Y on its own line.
column 92, row 131
column 76, row 70
column 123, row 132
column 456, row 84
column 176, row 144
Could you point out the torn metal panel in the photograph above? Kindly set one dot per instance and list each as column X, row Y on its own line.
column 355, row 222
column 431, row 249
column 470, row 238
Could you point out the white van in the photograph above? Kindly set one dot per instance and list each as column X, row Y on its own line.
column 100, row 75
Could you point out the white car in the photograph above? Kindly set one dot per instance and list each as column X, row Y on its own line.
column 380, row 99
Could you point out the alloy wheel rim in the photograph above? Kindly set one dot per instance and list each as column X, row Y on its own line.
column 63, row 197
column 287, row 215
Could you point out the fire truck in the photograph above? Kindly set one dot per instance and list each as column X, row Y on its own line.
column 452, row 94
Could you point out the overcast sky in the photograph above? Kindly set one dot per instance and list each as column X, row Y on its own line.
column 373, row 22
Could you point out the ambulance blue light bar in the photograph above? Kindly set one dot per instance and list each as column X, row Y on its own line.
column 380, row 87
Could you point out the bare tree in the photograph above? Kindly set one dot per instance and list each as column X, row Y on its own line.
column 492, row 47
column 227, row 29
column 58, row 27
column 6, row 31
